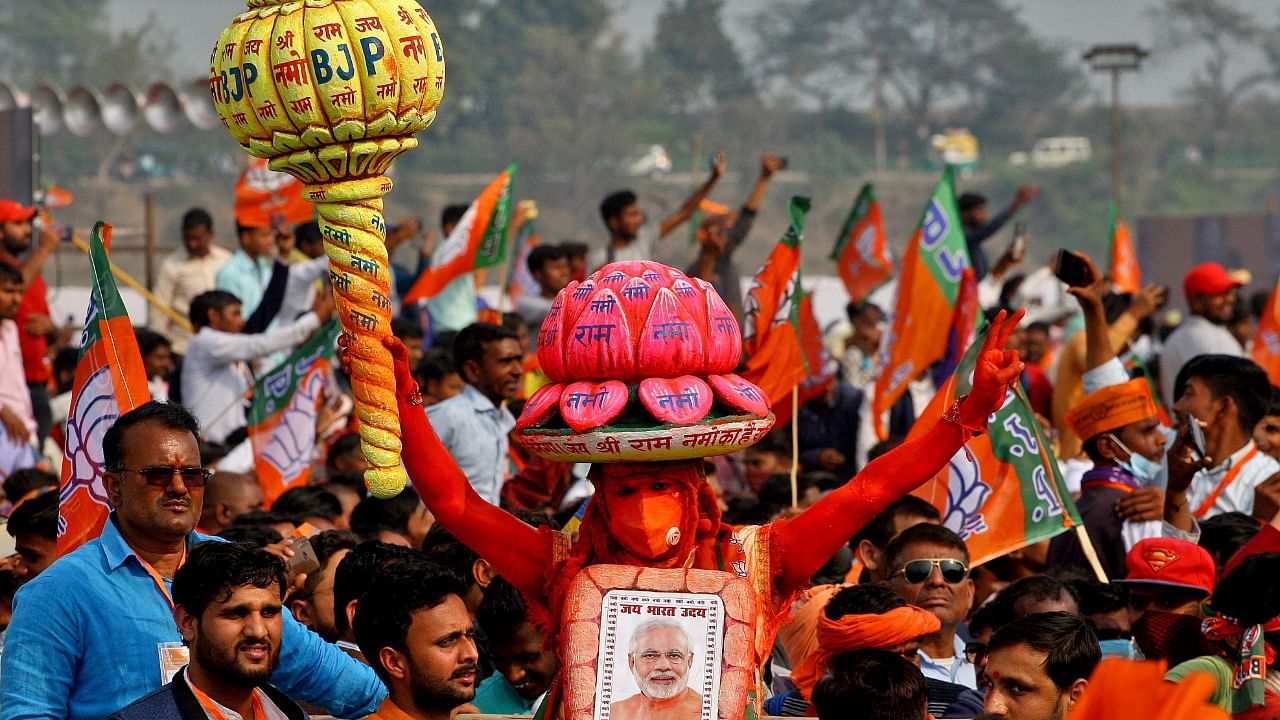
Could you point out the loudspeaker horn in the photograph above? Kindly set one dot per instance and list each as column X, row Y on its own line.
column 82, row 111
column 121, row 111
column 198, row 105
column 46, row 109
column 162, row 109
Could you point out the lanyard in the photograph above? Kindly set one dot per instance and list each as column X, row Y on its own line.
column 155, row 574
column 1224, row 482
column 211, row 707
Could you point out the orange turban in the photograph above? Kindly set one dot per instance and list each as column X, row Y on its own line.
column 856, row 632
column 1111, row 408
column 1121, row 689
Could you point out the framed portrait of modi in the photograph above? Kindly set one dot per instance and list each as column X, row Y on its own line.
column 658, row 644
column 660, row 656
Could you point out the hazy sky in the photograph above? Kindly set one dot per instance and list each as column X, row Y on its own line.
column 1076, row 24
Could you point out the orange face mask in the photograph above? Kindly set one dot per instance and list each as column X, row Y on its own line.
column 648, row 524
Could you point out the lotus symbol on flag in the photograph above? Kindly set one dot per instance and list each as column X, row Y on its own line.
column 293, row 440
column 966, row 494
column 94, row 413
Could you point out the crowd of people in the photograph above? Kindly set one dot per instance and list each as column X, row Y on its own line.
column 197, row 600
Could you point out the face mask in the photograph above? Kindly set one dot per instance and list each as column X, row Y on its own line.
column 1168, row 636
column 1141, row 468
column 647, row 525
column 1127, row 649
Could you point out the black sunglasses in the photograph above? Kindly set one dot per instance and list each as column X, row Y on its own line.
column 917, row 571
column 161, row 475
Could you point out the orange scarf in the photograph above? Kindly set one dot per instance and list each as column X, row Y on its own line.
column 856, row 632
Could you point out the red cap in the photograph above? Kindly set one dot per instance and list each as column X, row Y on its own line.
column 1208, row 279
column 13, row 211
column 1172, row 563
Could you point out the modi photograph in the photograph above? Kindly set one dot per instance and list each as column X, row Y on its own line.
column 661, row 656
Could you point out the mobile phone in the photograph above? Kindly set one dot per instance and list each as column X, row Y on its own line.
column 304, row 558
column 1072, row 269
column 1018, row 247
column 1196, row 433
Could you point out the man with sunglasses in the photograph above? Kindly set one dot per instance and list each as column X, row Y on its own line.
column 95, row 631
column 929, row 566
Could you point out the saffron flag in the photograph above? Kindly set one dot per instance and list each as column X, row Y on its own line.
column 521, row 282
column 1003, row 490
column 1266, row 343
column 780, row 335
column 861, row 253
column 478, row 241
column 1126, row 274
column 931, row 272
column 109, row 381
column 266, row 198
column 282, row 418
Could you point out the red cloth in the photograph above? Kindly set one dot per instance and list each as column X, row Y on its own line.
column 540, row 483
column 1039, row 391
column 1266, row 541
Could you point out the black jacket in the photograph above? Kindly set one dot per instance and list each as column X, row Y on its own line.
column 175, row 701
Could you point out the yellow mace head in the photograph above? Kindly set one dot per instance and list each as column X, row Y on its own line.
column 328, row 90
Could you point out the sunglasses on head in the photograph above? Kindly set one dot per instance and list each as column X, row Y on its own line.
column 917, row 571
column 162, row 475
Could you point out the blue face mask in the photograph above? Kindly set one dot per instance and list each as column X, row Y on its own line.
column 1127, row 649
column 1142, row 469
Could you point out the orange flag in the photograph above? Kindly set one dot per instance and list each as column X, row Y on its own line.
column 479, row 240
column 1266, row 343
column 861, row 253
column 1126, row 274
column 109, row 382
column 780, row 335
column 266, row 198
column 1122, row 689
column 931, row 273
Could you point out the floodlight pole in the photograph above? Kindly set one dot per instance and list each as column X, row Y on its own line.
column 1115, row 59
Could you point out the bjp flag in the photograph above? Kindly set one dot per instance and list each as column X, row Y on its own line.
column 1002, row 491
column 931, row 273
column 266, row 198
column 282, row 418
column 780, row 335
column 861, row 253
column 1266, row 343
column 478, row 241
column 109, row 382
column 1126, row 274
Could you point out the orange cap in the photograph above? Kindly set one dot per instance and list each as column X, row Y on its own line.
column 1111, row 408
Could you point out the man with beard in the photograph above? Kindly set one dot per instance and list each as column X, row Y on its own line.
column 659, row 657
column 34, row 322
column 1038, row 666
column 1211, row 296
column 227, row 604
column 929, row 567
column 95, row 631
column 414, row 630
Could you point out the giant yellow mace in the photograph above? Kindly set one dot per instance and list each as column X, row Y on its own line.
column 331, row 92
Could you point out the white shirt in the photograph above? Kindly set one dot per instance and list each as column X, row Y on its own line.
column 1195, row 336
column 215, row 377
column 1238, row 496
column 641, row 248
column 180, row 279
column 13, row 384
column 958, row 671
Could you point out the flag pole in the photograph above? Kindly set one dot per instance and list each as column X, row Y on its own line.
column 146, row 294
column 1091, row 554
column 795, row 445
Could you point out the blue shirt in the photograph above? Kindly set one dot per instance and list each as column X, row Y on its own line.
column 475, row 433
column 245, row 278
column 83, row 640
